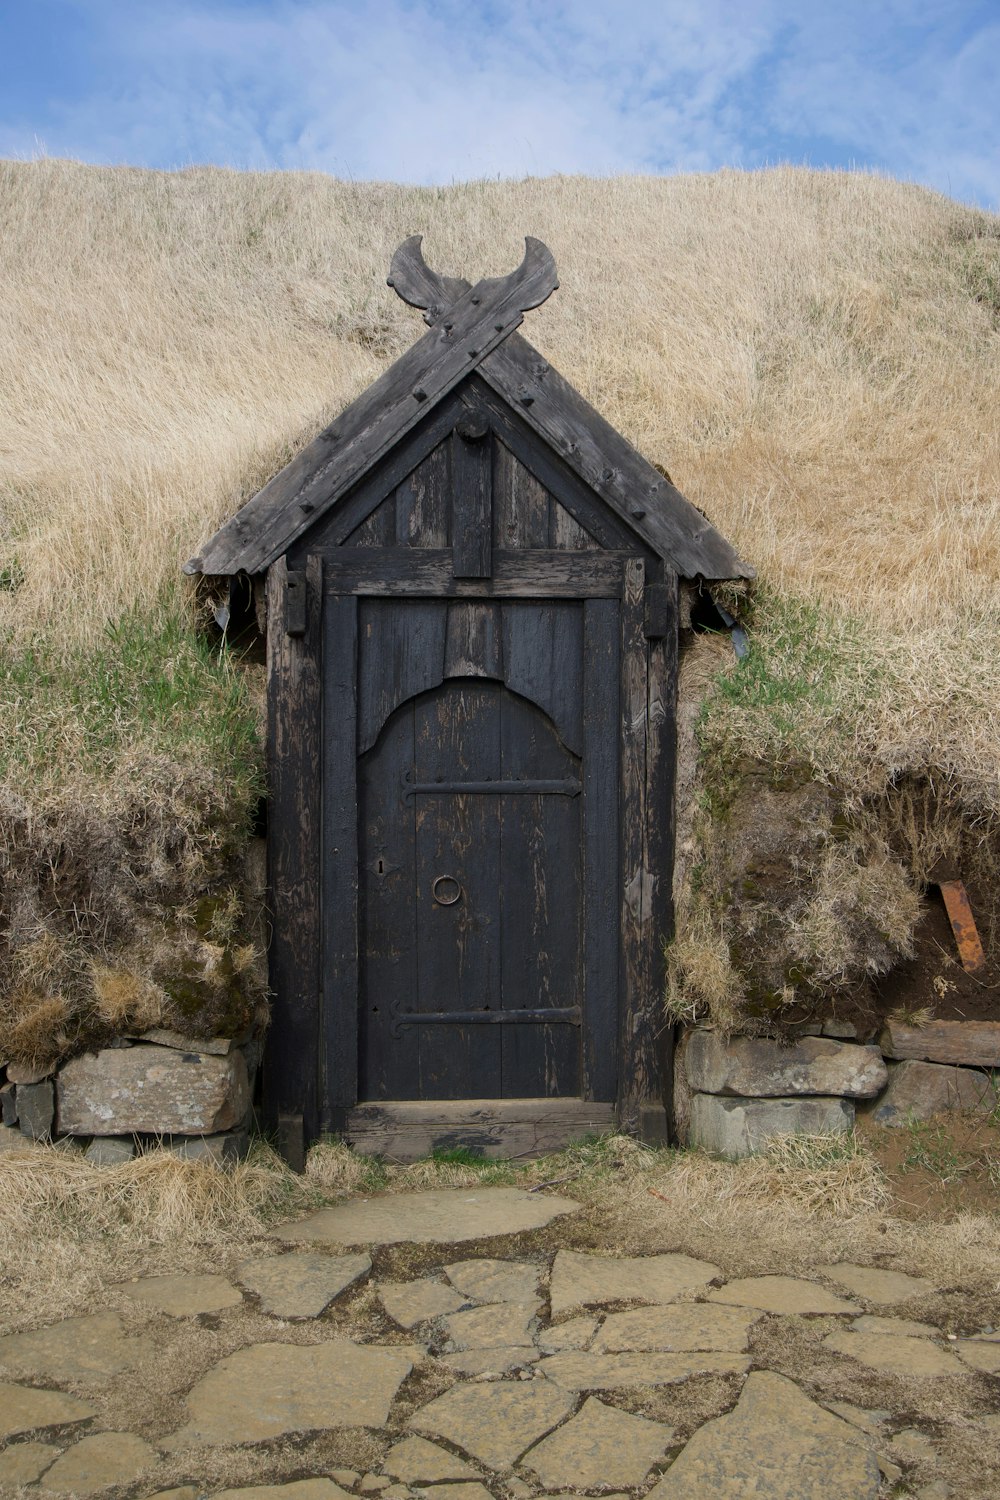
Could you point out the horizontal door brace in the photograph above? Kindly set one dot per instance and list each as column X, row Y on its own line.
column 570, row 787
column 570, row 1015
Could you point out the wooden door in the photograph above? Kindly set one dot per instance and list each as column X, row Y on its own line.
column 470, row 903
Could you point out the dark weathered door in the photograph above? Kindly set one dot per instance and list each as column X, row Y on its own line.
column 471, row 909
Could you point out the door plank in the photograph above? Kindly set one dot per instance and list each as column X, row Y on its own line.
column 472, row 520
column 423, row 502
column 474, row 645
column 389, row 1061
column 340, row 845
column 602, row 922
column 520, row 504
column 401, row 653
column 541, row 574
column 291, row 1081
column 456, row 731
column 541, row 907
column 635, row 879
column 543, row 660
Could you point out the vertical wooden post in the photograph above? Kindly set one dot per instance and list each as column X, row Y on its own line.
column 641, row 1085
column 293, row 762
column 340, row 859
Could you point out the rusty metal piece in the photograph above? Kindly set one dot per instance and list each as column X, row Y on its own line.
column 963, row 925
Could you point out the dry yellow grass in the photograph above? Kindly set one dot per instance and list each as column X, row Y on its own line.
column 813, row 356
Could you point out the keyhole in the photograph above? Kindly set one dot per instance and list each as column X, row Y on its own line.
column 380, row 866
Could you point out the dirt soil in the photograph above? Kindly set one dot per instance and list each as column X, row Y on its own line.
column 934, row 979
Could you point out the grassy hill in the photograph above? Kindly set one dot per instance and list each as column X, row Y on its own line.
column 813, row 356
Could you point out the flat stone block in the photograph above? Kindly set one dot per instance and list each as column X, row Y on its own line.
column 35, row 1103
column 440, row 1217
column 600, row 1446
column 504, row 1324
column 495, row 1280
column 894, row 1353
column 685, row 1326
column 88, row 1350
column 28, row 1073
column 581, row 1280
column 981, row 1354
column 24, row 1408
column 151, row 1090
column 788, row 1296
column 184, row 1296
column 757, row 1068
column 110, row 1150
column 23, row 1463
column 918, row 1090
column 777, row 1444
column 498, row 1361
column 495, row 1422
column 972, row 1044
column 214, row 1046
column 301, row 1286
column 221, row 1150
column 416, row 1461
column 411, row 1302
column 267, row 1389
column 874, row 1283
column 299, row 1489
column 739, row 1127
column 8, row 1105
column 576, row 1333
column 607, row 1372
column 95, row 1462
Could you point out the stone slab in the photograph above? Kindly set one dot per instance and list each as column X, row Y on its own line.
column 575, row 1333
column 88, row 1350
column 23, row 1463
column 154, row 1090
column 574, row 1371
column 25, row 1409
column 443, row 1216
column 267, row 1389
column 599, row 1446
column 214, row 1046
column 417, row 1461
column 299, row 1489
column 908, row 1327
column 757, row 1067
column 494, row 1422
column 581, row 1280
column 684, row 1326
column 110, row 1150
column 100, row 1460
column 220, row 1150
column 974, row 1044
column 20, row 1073
column 411, row 1302
column 301, row 1286
column 183, row 1296
column 8, row 1105
column 788, row 1296
column 467, row 1491
column 738, row 1127
column 489, row 1361
column 981, row 1354
column 495, row 1280
column 777, row 1444
column 35, row 1109
column 875, row 1284
column 491, row 1327
column 920, row 1090
column 894, row 1353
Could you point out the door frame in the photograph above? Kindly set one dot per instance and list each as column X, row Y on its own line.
column 307, row 1067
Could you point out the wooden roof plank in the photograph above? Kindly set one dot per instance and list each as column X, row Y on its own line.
column 607, row 462
column 383, row 414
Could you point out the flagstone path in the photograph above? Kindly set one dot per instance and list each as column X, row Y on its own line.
column 484, row 1378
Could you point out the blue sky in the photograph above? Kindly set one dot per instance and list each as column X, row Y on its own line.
column 434, row 91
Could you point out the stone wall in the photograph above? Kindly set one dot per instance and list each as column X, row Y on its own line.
column 732, row 1094
column 192, row 1096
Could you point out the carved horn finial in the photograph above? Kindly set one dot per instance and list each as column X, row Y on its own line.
column 412, row 279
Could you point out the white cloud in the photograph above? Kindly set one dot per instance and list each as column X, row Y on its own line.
column 434, row 90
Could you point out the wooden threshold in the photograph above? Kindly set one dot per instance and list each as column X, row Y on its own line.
column 407, row 1129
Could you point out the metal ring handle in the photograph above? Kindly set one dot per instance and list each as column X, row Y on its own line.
column 446, row 900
